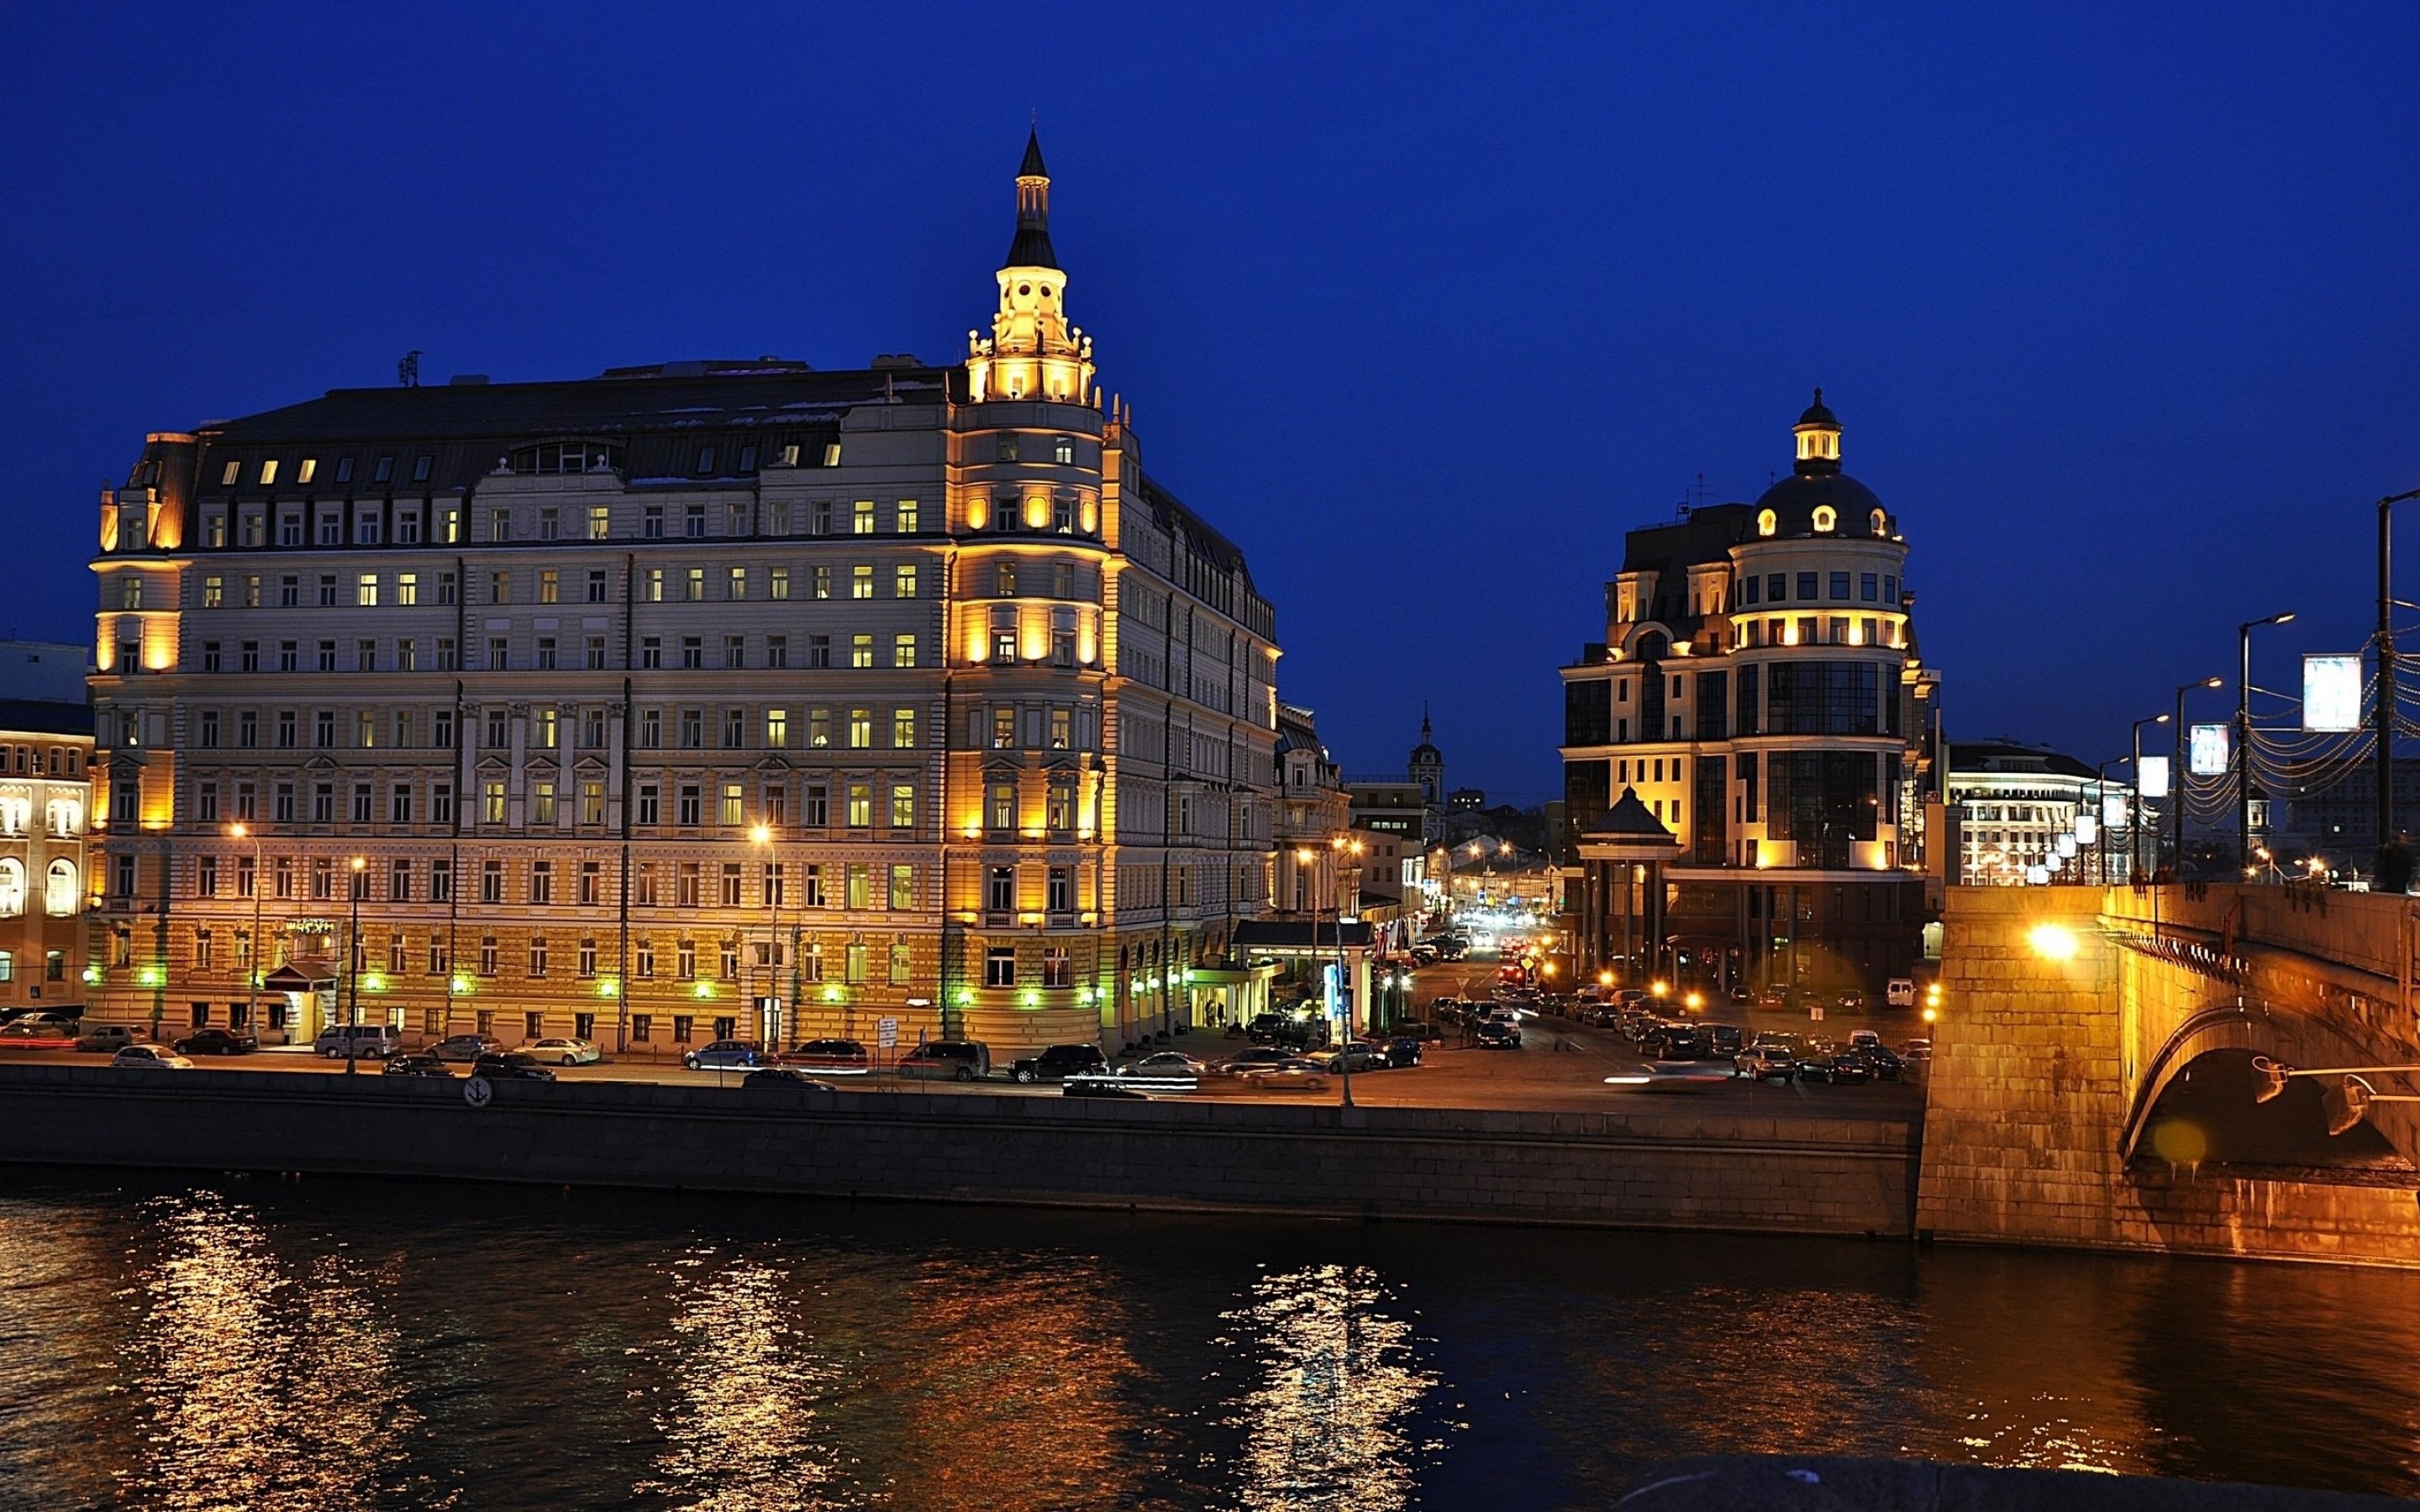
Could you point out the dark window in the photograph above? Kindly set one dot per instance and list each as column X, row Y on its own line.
column 1588, row 793
column 420, row 467
column 384, row 472
column 1587, row 713
column 344, row 469
column 1777, row 588
column 1807, row 587
column 1866, row 589
column 1840, row 585
column 1823, row 801
column 1713, row 697
column 1752, row 585
column 1750, row 702
column 1821, row 698
column 1747, row 787
column 1708, row 844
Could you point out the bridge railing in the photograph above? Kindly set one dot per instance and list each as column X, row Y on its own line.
column 2368, row 931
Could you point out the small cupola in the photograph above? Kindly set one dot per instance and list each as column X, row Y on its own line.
column 1819, row 439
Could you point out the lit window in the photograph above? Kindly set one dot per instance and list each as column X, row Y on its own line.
column 1766, row 522
column 268, row 472
column 1825, row 518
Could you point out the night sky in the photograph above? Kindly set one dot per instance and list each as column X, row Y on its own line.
column 1422, row 308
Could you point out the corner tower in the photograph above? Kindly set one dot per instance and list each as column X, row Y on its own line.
column 1033, row 352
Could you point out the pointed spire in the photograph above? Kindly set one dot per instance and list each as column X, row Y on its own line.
column 1031, row 248
column 1424, row 722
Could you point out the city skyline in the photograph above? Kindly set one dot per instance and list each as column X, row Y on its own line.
column 1614, row 252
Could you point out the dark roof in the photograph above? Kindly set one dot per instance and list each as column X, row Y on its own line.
column 664, row 415
column 44, row 717
column 1793, row 502
column 1705, row 534
column 2012, row 757
column 1818, row 414
column 1031, row 248
column 1031, row 168
column 1286, row 933
column 1630, row 820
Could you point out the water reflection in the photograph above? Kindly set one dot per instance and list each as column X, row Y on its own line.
column 743, row 1431
column 1331, row 1423
column 262, row 1391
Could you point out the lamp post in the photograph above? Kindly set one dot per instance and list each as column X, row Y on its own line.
column 1344, row 846
column 2243, row 736
column 2384, row 714
column 767, row 1013
column 2134, row 802
column 251, row 957
column 353, row 969
column 2176, row 778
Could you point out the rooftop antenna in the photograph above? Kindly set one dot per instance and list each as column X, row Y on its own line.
column 1698, row 494
column 408, row 371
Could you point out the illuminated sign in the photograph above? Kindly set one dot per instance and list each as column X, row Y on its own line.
column 2113, row 810
column 2154, row 777
column 2207, row 752
column 2331, row 694
column 2085, row 830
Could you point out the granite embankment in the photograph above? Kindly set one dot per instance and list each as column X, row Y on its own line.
column 1664, row 1167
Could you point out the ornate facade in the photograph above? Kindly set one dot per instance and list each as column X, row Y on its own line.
column 1759, row 692
column 689, row 701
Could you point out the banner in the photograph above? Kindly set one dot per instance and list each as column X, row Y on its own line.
column 2113, row 810
column 2154, row 777
column 2207, row 752
column 2086, row 829
column 2331, row 694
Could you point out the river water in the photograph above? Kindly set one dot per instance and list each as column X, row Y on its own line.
column 265, row 1345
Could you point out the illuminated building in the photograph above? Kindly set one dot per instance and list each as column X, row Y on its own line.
column 1759, row 693
column 2014, row 803
column 45, row 748
column 550, row 656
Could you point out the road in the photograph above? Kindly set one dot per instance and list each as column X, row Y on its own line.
column 1560, row 1068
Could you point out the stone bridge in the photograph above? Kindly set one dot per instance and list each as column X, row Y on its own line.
column 2093, row 1081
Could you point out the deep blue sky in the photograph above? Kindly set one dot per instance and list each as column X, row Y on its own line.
column 1422, row 307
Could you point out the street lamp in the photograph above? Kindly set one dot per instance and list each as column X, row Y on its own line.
column 353, row 969
column 2385, row 713
column 2243, row 735
column 767, row 1015
column 2176, row 777
column 252, row 956
column 2135, row 801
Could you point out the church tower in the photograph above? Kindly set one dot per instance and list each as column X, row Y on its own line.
column 1033, row 352
column 1427, row 767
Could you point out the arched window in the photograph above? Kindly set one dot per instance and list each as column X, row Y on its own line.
column 61, row 897
column 1652, row 646
column 12, row 888
column 1825, row 518
column 63, row 816
column 1881, row 524
column 1766, row 522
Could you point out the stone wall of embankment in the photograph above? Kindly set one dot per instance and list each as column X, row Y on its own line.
column 1668, row 1167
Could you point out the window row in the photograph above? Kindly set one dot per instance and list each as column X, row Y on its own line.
column 857, row 887
column 1774, row 588
column 549, row 804
column 62, row 894
column 864, row 650
column 375, row 522
column 39, row 761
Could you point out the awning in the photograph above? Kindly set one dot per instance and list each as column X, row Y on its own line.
column 286, row 979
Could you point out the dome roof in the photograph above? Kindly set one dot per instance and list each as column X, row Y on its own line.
column 1793, row 500
column 1819, row 414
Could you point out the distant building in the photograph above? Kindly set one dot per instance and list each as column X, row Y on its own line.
column 2011, row 804
column 45, row 783
column 1466, row 800
column 1412, row 805
column 1313, row 809
column 43, row 671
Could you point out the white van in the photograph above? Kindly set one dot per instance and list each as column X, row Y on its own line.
column 1901, row 993
column 365, row 1041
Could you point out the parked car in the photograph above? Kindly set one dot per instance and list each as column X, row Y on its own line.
column 789, row 1076
column 1495, row 1034
column 1294, row 1073
column 1880, row 1063
column 1739, row 997
column 1165, row 1065
column 1862, row 1037
column 1838, row 1068
column 724, row 1054
column 1723, row 1039
column 1250, row 1060
column 512, row 1066
column 150, row 1057
column 417, row 1064
column 69, row 1019
column 1404, row 1050
column 1674, row 1041
column 211, row 1042
column 845, row 1056
column 364, row 1041
column 1915, row 1050
column 1851, row 1001
column 1096, row 1087
column 1059, row 1062
column 468, row 1047
column 564, row 1052
column 1766, row 1063
column 947, row 1061
column 32, row 1035
column 1899, row 992
column 1773, row 997
column 105, row 1037
column 1357, row 1055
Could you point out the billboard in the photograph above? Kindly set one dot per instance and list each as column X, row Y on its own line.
column 2154, row 777
column 2331, row 694
column 2208, row 750
column 2113, row 810
column 2086, row 831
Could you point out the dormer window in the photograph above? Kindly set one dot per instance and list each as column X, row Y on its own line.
column 1881, row 524
column 1825, row 518
column 1766, row 522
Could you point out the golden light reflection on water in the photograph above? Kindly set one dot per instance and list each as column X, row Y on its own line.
column 261, row 1391
column 1329, row 1423
column 743, row 1427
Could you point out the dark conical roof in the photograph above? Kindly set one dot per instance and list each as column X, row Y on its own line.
column 1031, row 248
column 1817, row 413
column 1631, row 821
column 1031, row 168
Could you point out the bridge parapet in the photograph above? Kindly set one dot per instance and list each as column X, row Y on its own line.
column 2067, row 1013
